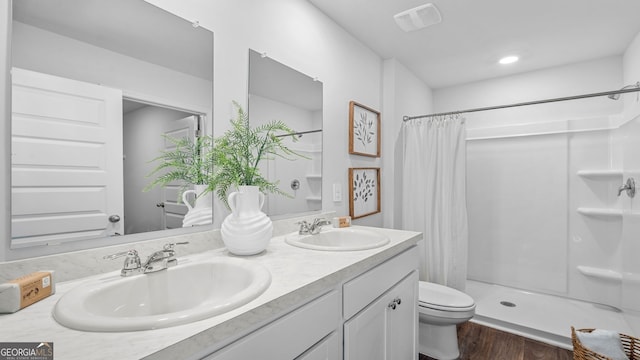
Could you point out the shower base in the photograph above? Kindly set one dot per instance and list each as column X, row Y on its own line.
column 545, row 318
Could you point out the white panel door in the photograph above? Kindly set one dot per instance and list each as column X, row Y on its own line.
column 66, row 159
column 174, row 209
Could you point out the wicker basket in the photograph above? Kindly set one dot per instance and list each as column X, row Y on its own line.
column 630, row 345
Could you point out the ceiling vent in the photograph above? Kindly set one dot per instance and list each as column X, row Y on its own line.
column 418, row 18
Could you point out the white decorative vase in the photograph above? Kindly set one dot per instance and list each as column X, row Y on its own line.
column 201, row 213
column 247, row 230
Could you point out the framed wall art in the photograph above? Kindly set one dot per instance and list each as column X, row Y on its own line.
column 364, row 130
column 364, row 192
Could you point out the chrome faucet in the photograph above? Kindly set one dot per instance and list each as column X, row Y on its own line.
column 159, row 260
column 312, row 228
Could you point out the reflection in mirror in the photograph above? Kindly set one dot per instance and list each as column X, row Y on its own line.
column 277, row 92
column 95, row 86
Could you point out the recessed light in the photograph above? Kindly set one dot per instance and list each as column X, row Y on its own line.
column 508, row 59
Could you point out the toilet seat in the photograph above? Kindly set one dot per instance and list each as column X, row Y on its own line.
column 439, row 297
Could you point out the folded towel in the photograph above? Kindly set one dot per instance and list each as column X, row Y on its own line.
column 603, row 342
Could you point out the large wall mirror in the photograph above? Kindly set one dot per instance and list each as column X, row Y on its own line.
column 96, row 84
column 278, row 92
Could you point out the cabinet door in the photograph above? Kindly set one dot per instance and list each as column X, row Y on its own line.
column 387, row 328
column 327, row 349
column 403, row 321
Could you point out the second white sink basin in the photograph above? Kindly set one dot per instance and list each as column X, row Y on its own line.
column 339, row 239
column 182, row 294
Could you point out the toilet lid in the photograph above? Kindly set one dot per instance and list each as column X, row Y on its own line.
column 442, row 296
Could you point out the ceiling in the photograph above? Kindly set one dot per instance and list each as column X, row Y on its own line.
column 473, row 34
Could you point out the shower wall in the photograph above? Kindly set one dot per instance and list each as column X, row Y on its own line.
column 544, row 213
column 516, row 201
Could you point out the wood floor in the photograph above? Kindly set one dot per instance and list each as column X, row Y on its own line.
column 479, row 342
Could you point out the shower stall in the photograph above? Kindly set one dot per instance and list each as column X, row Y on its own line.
column 550, row 243
column 553, row 231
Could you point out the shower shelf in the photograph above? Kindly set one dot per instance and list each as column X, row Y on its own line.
column 608, row 213
column 600, row 273
column 600, row 174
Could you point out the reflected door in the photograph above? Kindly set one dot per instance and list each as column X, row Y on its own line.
column 174, row 210
column 66, row 160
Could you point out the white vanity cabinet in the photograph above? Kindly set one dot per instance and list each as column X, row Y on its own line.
column 303, row 333
column 370, row 316
column 386, row 328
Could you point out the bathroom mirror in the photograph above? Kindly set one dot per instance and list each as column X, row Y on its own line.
column 278, row 92
column 110, row 78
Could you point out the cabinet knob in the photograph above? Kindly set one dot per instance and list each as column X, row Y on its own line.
column 392, row 305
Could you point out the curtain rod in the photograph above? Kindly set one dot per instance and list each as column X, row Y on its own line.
column 300, row 133
column 576, row 97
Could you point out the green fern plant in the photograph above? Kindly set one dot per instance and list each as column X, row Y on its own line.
column 237, row 154
column 190, row 162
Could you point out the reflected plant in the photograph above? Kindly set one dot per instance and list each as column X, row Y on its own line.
column 237, row 154
column 189, row 162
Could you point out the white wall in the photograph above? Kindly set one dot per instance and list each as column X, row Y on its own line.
column 300, row 36
column 582, row 78
column 522, row 186
column 403, row 95
column 631, row 65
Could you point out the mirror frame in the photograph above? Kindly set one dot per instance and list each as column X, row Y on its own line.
column 7, row 253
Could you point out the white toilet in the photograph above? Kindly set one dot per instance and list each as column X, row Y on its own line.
column 441, row 308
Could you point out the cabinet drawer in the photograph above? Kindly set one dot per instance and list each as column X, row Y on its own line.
column 364, row 289
column 289, row 336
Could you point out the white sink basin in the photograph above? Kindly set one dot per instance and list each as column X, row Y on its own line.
column 335, row 239
column 182, row 294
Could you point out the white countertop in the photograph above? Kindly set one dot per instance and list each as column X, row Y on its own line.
column 298, row 275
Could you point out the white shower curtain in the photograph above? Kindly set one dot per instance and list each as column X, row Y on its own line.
column 433, row 196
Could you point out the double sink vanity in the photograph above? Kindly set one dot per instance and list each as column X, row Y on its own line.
column 331, row 295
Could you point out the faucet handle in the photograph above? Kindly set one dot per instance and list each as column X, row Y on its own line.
column 171, row 246
column 131, row 262
column 304, row 228
column 169, row 249
column 120, row 254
